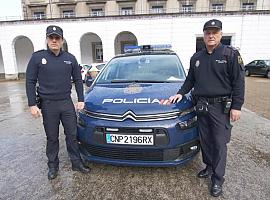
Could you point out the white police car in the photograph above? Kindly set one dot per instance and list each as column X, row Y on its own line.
column 123, row 122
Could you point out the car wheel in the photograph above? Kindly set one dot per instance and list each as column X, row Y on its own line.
column 268, row 74
column 247, row 72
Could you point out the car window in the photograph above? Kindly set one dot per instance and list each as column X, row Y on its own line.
column 260, row 62
column 267, row 62
column 143, row 68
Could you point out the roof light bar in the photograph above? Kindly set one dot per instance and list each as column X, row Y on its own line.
column 157, row 47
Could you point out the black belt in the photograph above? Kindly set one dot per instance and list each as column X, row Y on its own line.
column 215, row 99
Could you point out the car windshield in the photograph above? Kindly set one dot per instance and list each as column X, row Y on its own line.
column 143, row 68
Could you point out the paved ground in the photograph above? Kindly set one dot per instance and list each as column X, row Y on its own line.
column 23, row 171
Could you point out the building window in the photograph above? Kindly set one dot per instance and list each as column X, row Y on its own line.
column 217, row 7
column 248, row 6
column 39, row 15
column 98, row 52
column 157, row 9
column 127, row 11
column 97, row 12
column 68, row 13
column 187, row 8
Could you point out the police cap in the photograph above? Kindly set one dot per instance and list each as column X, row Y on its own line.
column 213, row 23
column 54, row 30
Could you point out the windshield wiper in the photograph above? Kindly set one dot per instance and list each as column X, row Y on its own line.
column 138, row 81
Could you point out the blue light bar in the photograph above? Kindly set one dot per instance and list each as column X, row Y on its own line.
column 157, row 47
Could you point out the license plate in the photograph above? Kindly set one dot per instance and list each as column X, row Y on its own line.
column 129, row 139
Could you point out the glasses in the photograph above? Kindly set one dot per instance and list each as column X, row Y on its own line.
column 51, row 37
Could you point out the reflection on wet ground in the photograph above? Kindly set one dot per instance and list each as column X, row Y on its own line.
column 24, row 172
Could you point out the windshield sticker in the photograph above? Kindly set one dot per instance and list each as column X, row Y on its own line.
column 133, row 89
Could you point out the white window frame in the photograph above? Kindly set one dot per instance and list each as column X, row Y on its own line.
column 68, row 13
column 188, row 8
column 98, row 52
column 39, row 15
column 127, row 10
column 97, row 12
column 157, row 9
column 217, row 7
column 248, row 6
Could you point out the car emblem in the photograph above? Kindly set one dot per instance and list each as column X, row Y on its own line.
column 197, row 63
column 133, row 89
column 44, row 61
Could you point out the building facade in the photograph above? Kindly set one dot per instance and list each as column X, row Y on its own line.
column 99, row 38
column 47, row 9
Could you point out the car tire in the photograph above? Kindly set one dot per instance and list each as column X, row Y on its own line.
column 247, row 72
column 268, row 74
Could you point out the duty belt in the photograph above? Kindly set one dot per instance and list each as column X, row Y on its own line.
column 215, row 99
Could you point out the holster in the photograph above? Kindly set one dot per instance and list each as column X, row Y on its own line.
column 201, row 107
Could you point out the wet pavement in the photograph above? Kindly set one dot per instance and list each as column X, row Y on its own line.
column 23, row 169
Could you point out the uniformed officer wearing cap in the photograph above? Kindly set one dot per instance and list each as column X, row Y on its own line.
column 216, row 74
column 52, row 69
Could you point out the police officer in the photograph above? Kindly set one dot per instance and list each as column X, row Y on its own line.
column 52, row 69
column 217, row 75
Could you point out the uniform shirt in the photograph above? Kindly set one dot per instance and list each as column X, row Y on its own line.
column 220, row 73
column 53, row 74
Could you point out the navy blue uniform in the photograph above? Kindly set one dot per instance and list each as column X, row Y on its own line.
column 53, row 75
column 216, row 76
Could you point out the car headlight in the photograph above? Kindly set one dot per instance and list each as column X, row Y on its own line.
column 188, row 123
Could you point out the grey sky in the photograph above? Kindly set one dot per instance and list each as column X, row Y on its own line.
column 10, row 9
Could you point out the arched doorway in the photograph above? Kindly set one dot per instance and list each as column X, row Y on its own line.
column 23, row 50
column 122, row 39
column 91, row 48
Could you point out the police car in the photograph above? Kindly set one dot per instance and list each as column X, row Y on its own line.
column 124, row 122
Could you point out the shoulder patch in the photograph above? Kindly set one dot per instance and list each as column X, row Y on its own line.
column 240, row 60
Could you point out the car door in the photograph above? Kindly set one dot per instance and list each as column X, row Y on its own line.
column 261, row 67
column 251, row 67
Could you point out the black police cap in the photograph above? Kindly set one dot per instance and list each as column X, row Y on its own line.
column 213, row 23
column 54, row 30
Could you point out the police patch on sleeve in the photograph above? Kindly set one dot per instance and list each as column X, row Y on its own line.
column 240, row 61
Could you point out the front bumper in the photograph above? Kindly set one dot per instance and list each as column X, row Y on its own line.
column 129, row 156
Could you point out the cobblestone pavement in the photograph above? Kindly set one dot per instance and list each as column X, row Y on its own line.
column 23, row 170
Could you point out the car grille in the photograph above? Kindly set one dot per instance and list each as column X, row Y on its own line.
column 125, row 154
column 139, row 118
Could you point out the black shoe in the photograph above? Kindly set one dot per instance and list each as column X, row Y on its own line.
column 205, row 173
column 216, row 190
column 80, row 168
column 53, row 172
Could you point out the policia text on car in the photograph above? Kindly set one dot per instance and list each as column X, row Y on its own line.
column 52, row 69
column 217, row 75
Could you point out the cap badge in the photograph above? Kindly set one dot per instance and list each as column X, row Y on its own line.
column 54, row 28
column 212, row 23
column 197, row 63
column 44, row 61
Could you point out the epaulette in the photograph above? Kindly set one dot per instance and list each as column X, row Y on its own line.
column 229, row 50
column 39, row 51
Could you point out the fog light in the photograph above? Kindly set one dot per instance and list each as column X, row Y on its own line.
column 193, row 148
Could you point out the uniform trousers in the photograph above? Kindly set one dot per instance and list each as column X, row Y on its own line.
column 215, row 132
column 54, row 111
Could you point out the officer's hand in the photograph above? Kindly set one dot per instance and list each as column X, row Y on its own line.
column 235, row 114
column 35, row 111
column 80, row 105
column 175, row 98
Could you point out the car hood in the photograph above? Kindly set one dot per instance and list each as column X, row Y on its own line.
column 140, row 98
